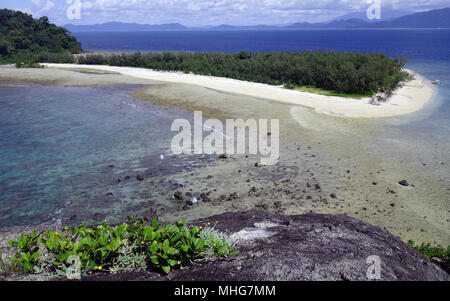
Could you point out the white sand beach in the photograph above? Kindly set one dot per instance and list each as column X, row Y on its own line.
column 407, row 99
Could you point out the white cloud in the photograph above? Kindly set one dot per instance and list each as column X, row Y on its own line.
column 41, row 6
column 202, row 12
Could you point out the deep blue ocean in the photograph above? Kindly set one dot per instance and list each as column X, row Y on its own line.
column 413, row 43
column 56, row 142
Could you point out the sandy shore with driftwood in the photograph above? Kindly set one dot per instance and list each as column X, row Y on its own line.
column 408, row 98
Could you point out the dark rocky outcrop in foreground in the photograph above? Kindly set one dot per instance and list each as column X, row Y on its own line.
column 304, row 247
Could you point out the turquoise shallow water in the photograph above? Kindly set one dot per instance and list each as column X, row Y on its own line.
column 422, row 137
column 57, row 145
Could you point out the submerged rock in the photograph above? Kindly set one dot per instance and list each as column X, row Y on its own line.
column 178, row 195
column 404, row 183
column 98, row 216
column 206, row 199
column 150, row 214
column 233, row 196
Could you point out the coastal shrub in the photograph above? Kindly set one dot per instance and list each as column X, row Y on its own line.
column 218, row 242
column 30, row 63
column 429, row 251
column 57, row 58
column 129, row 260
column 289, row 86
column 135, row 245
column 341, row 72
column 93, row 59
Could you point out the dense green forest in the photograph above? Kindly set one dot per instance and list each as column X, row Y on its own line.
column 343, row 72
column 25, row 38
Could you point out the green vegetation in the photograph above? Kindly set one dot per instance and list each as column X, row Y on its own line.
column 429, row 251
column 23, row 38
column 27, row 64
column 314, row 90
column 340, row 72
column 135, row 245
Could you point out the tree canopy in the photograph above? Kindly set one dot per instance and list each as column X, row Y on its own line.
column 22, row 36
column 344, row 72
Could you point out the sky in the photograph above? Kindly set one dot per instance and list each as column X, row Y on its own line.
column 207, row 12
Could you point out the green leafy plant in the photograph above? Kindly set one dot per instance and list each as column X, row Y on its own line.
column 135, row 245
column 131, row 258
column 429, row 251
column 27, row 254
column 218, row 243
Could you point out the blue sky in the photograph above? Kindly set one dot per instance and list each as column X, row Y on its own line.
column 208, row 12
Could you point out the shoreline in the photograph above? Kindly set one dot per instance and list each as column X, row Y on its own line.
column 409, row 98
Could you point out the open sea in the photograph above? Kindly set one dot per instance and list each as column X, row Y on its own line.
column 56, row 142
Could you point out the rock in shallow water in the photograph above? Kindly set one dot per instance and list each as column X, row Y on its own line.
column 98, row 216
column 178, row 195
column 404, row 183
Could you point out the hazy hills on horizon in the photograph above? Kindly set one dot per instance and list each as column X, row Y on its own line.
column 386, row 15
column 439, row 18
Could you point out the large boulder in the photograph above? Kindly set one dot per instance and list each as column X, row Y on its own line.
column 303, row 247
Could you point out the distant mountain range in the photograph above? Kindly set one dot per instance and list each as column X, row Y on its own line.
column 386, row 15
column 117, row 26
column 439, row 18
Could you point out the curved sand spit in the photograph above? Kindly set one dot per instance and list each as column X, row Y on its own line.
column 408, row 99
